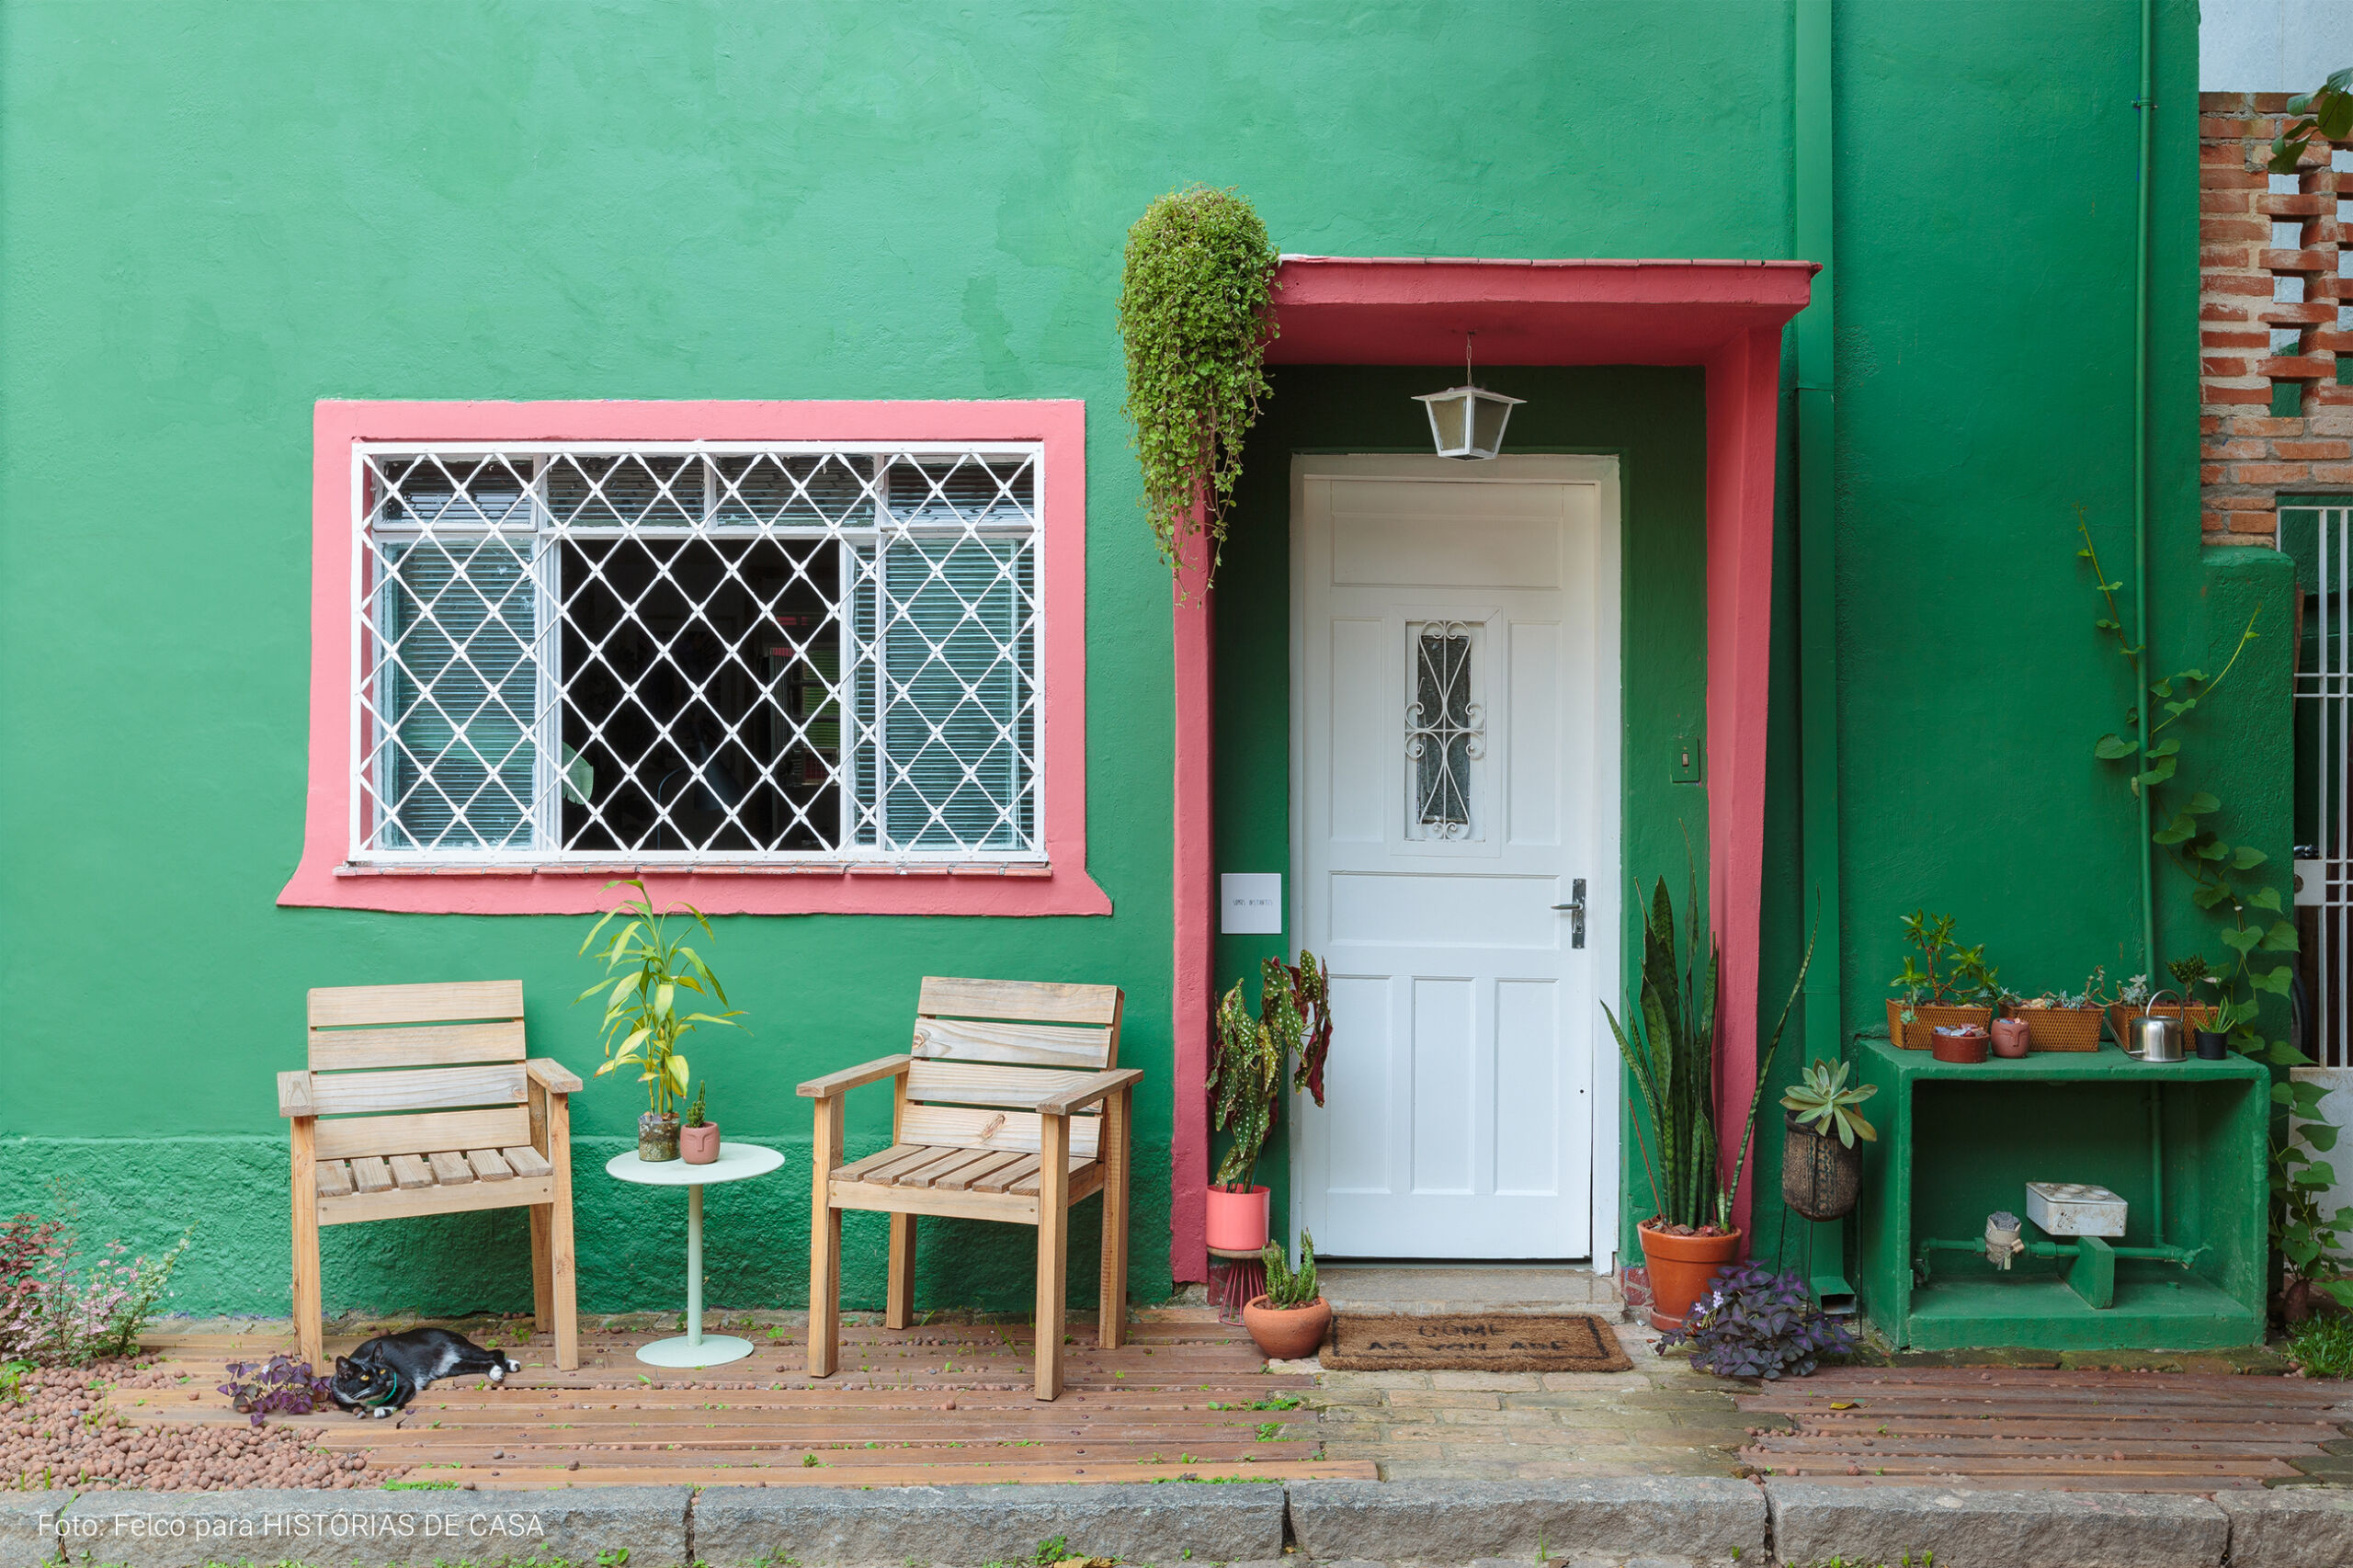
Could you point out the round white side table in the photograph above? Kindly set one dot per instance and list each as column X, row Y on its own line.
column 736, row 1162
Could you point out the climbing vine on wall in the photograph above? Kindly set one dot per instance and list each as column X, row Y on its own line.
column 1193, row 317
column 2228, row 880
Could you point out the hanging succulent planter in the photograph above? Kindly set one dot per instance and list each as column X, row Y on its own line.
column 1195, row 319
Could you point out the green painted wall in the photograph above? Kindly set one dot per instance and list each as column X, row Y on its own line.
column 213, row 213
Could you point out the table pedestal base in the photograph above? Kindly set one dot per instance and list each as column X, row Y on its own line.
column 710, row 1350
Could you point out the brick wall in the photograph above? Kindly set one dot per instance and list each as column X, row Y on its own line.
column 2272, row 415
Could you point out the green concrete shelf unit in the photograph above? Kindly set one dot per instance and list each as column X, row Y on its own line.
column 2184, row 1143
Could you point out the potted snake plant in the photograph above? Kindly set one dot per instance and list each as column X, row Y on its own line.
column 647, row 967
column 1822, row 1164
column 1668, row 1040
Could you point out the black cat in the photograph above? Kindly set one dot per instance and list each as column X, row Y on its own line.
column 389, row 1370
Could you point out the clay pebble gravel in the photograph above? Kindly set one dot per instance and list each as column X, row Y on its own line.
column 59, row 1433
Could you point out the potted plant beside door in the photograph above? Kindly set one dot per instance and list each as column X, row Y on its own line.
column 1245, row 1084
column 1668, row 1040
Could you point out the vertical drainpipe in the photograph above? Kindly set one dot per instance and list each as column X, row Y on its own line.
column 2146, row 106
column 1816, row 327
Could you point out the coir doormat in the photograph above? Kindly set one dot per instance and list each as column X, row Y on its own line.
column 1466, row 1342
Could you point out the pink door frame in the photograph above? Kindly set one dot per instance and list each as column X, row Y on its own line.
column 1726, row 317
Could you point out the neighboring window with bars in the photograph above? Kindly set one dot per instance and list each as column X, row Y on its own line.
column 714, row 655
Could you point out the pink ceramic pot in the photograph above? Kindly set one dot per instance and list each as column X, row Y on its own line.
column 2009, row 1037
column 699, row 1145
column 1237, row 1220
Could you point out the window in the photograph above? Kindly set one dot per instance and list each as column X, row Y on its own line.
column 697, row 655
column 1445, row 731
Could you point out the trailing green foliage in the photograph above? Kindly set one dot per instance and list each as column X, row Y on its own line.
column 1246, row 1057
column 1195, row 322
column 645, row 969
column 2229, row 880
column 2326, row 112
column 1668, row 1040
column 1286, row 1287
column 1823, row 1098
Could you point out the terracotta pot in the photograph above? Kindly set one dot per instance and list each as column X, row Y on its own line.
column 1287, row 1334
column 699, row 1145
column 1918, row 1034
column 1680, row 1267
column 1237, row 1220
column 1961, row 1044
column 658, row 1137
column 2011, row 1036
column 1820, row 1175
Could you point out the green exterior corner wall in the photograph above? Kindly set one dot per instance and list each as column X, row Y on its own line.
column 214, row 213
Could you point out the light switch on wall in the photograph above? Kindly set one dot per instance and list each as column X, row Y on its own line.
column 1250, row 904
column 1686, row 761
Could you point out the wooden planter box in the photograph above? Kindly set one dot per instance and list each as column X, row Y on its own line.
column 1920, row 1034
column 2061, row 1029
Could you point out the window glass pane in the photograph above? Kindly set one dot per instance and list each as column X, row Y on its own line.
column 459, row 695
column 1442, row 732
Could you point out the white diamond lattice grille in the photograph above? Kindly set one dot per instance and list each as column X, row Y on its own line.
column 707, row 654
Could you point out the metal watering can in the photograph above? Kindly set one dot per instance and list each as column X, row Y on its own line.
column 2154, row 1039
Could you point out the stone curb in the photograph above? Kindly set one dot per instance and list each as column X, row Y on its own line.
column 1814, row 1523
column 743, row 1526
column 2290, row 1526
column 1690, row 1522
column 1701, row 1519
column 375, row 1529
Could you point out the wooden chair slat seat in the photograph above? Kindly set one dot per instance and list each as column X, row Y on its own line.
column 1010, row 1105
column 430, row 1106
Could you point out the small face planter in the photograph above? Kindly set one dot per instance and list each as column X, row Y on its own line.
column 1287, row 1334
column 2011, row 1038
column 1819, row 1176
column 699, row 1145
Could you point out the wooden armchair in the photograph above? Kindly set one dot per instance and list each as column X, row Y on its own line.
column 995, row 1117
column 419, row 1100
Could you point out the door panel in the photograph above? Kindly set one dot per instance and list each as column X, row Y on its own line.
column 1450, row 791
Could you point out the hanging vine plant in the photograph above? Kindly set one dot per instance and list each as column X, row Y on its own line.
column 1193, row 317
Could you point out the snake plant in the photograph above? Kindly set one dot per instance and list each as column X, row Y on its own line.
column 1668, row 1040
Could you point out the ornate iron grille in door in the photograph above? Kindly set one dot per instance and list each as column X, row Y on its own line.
column 2320, row 539
column 698, row 654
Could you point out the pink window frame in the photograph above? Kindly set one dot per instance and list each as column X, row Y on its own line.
column 1060, row 886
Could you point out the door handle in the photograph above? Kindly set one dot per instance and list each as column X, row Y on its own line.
column 1574, row 910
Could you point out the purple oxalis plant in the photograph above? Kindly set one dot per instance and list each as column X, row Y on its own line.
column 1753, row 1322
column 281, row 1387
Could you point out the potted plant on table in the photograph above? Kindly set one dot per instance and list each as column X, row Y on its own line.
column 1822, row 1164
column 699, row 1138
column 2064, row 1021
column 645, row 968
column 1668, row 1040
column 2132, row 998
column 1245, row 1082
column 1951, row 986
column 1289, row 1320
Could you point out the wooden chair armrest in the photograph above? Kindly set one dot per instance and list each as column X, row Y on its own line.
column 294, row 1095
column 1087, row 1094
column 552, row 1075
column 849, row 1078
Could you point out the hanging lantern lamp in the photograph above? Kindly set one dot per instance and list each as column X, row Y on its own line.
column 1468, row 421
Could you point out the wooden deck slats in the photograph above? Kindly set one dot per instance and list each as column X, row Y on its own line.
column 2045, row 1430
column 894, row 1415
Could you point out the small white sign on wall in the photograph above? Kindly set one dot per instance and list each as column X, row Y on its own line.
column 1250, row 904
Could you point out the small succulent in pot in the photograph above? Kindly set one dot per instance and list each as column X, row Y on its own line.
column 699, row 1138
column 1753, row 1322
column 1288, row 1322
column 1826, row 1103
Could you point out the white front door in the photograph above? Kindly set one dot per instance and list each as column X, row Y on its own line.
column 1455, row 760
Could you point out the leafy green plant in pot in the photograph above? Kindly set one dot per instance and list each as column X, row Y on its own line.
column 1946, row 985
column 1290, row 1320
column 1668, row 1040
column 645, row 968
column 1822, row 1162
column 1246, row 1080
